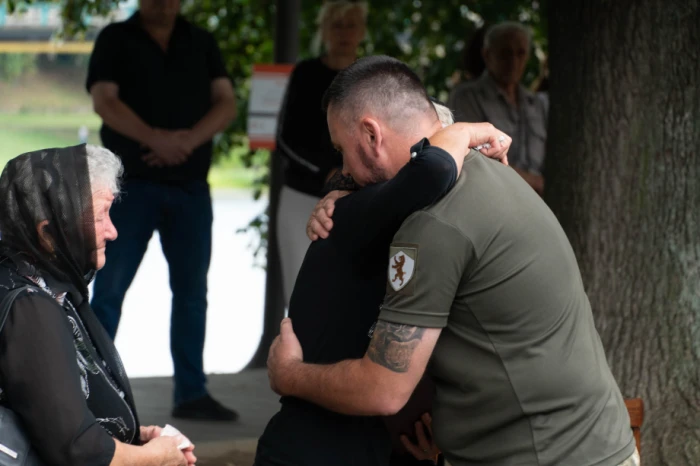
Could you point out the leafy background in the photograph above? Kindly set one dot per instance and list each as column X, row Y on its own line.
column 429, row 36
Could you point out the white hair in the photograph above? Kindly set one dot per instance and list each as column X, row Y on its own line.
column 495, row 33
column 444, row 114
column 329, row 12
column 105, row 169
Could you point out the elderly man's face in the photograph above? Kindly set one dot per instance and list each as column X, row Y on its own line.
column 348, row 139
column 506, row 60
column 161, row 12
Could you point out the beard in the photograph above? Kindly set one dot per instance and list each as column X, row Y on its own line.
column 376, row 174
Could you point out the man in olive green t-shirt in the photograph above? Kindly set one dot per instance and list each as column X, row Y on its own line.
column 485, row 285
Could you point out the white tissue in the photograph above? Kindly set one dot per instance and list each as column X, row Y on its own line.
column 170, row 431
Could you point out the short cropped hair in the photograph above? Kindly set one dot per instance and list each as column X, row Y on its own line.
column 384, row 85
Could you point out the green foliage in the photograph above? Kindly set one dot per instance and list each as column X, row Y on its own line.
column 429, row 36
column 15, row 65
column 73, row 13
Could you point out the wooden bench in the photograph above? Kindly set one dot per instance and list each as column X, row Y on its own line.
column 635, row 408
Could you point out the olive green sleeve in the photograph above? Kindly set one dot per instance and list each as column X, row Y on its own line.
column 427, row 261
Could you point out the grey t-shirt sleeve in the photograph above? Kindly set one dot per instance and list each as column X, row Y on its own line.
column 427, row 261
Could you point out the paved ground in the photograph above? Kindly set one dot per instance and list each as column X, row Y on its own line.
column 217, row 444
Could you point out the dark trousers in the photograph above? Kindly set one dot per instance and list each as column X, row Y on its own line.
column 183, row 216
column 302, row 434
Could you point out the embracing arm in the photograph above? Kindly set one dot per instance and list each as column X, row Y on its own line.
column 409, row 326
column 378, row 384
column 422, row 181
column 376, row 212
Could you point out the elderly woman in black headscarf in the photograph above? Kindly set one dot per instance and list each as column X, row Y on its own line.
column 60, row 374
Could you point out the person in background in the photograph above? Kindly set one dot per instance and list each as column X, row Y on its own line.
column 499, row 98
column 303, row 138
column 60, row 373
column 160, row 86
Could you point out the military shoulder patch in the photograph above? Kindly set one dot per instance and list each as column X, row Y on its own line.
column 402, row 265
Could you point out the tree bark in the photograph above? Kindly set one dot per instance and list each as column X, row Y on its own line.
column 623, row 177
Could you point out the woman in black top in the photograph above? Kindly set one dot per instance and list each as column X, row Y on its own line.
column 59, row 371
column 303, row 137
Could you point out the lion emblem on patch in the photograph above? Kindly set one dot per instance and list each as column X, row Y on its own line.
column 401, row 268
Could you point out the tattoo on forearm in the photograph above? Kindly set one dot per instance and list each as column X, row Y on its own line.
column 392, row 345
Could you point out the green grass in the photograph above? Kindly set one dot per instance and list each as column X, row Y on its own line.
column 25, row 132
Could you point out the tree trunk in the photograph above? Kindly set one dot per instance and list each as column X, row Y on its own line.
column 623, row 177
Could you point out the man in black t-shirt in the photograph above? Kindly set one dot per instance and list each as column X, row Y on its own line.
column 160, row 86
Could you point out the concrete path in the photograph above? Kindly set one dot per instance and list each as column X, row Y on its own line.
column 217, row 443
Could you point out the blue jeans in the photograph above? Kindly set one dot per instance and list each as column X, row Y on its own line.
column 183, row 216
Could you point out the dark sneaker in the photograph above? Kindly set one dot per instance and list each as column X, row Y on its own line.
column 204, row 409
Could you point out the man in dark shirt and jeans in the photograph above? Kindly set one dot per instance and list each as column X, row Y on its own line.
column 162, row 90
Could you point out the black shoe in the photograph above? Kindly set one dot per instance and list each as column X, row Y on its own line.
column 204, row 409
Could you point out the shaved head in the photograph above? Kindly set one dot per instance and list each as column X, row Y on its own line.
column 380, row 86
column 377, row 108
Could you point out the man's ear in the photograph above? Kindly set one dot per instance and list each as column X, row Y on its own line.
column 371, row 133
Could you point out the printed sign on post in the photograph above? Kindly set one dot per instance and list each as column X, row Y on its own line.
column 268, row 85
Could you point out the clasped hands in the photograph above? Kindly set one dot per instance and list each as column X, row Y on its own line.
column 168, row 148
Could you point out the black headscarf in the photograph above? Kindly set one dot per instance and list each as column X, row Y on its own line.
column 53, row 186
